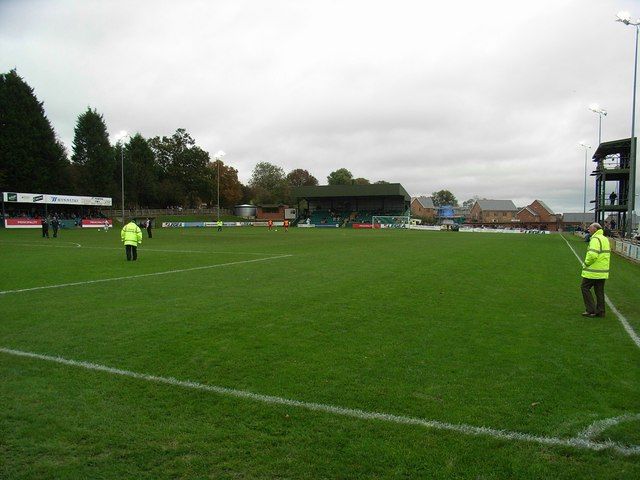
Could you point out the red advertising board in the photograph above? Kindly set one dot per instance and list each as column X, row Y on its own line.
column 95, row 222
column 364, row 225
column 22, row 223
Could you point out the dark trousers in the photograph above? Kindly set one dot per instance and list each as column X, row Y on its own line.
column 132, row 252
column 149, row 232
column 55, row 232
column 598, row 288
column 45, row 232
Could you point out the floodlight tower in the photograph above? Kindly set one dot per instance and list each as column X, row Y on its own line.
column 625, row 17
column 122, row 135
column 218, row 158
column 595, row 108
column 584, row 199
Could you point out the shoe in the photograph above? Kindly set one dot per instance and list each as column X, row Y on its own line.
column 587, row 314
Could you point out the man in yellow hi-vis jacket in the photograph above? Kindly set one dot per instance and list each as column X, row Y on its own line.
column 131, row 235
column 595, row 270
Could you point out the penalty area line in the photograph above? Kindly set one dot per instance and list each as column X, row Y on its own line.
column 579, row 443
column 168, row 272
column 621, row 318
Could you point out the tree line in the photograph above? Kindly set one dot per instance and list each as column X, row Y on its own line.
column 159, row 172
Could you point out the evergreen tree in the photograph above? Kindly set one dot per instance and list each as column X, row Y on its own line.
column 31, row 158
column 141, row 173
column 94, row 156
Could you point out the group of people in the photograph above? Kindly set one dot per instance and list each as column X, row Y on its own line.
column 55, row 225
column 285, row 224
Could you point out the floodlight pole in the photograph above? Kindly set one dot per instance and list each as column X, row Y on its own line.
column 631, row 195
column 218, row 158
column 122, row 172
column 584, row 199
column 632, row 164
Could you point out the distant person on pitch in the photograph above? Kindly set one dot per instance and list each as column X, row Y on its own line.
column 219, row 224
column 55, row 224
column 45, row 227
column 131, row 235
column 595, row 270
column 147, row 225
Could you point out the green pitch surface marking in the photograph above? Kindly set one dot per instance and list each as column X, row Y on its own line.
column 462, row 329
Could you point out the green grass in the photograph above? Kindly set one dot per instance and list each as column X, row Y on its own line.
column 474, row 329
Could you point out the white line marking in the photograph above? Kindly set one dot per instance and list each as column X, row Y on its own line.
column 596, row 428
column 625, row 323
column 581, row 443
column 19, row 244
column 88, row 282
column 76, row 245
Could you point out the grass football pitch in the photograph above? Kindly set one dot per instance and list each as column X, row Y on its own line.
column 326, row 353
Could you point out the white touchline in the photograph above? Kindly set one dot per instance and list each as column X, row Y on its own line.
column 89, row 282
column 580, row 443
column 625, row 323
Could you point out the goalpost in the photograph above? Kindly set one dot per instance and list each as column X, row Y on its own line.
column 390, row 221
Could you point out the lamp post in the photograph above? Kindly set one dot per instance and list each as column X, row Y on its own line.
column 595, row 108
column 123, row 135
column 218, row 158
column 584, row 199
column 625, row 18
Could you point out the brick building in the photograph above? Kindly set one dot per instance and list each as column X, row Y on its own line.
column 493, row 212
column 423, row 207
column 537, row 216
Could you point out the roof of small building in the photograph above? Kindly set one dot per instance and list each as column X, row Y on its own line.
column 578, row 217
column 425, row 202
column 530, row 210
column 544, row 205
column 328, row 191
column 497, row 205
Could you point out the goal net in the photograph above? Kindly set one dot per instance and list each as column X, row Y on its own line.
column 390, row 221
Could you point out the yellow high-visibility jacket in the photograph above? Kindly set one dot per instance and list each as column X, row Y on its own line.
column 131, row 234
column 596, row 262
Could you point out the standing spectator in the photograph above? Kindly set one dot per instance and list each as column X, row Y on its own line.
column 55, row 223
column 147, row 225
column 595, row 270
column 612, row 198
column 131, row 235
column 45, row 227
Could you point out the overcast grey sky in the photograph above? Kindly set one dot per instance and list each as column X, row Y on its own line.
column 481, row 98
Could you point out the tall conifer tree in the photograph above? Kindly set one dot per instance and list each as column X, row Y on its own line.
column 31, row 158
column 93, row 154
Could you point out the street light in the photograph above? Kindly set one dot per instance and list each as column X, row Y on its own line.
column 218, row 158
column 595, row 108
column 584, row 199
column 121, row 136
column 625, row 18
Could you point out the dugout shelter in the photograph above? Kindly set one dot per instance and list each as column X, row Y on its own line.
column 350, row 205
